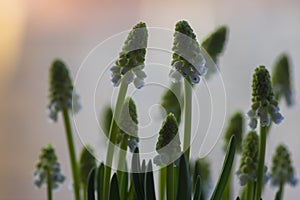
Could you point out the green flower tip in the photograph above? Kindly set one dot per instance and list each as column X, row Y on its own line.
column 282, row 170
column 131, row 60
column 61, row 90
column 264, row 105
column 106, row 117
column 281, row 79
column 188, row 60
column 128, row 123
column 87, row 163
column 168, row 144
column 214, row 44
column 236, row 128
column 249, row 159
column 48, row 165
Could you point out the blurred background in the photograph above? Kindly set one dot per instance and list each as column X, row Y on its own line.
column 34, row 32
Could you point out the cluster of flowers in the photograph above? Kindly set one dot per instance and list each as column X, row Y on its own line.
column 48, row 165
column 188, row 60
column 131, row 60
column 264, row 105
column 61, row 91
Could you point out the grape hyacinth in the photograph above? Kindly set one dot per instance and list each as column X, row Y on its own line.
column 168, row 144
column 264, row 105
column 281, row 80
column 249, row 159
column 282, row 170
column 188, row 61
column 61, row 91
column 48, row 164
column 131, row 60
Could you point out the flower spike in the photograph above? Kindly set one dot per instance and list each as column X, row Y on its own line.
column 235, row 127
column 61, row 90
column 131, row 60
column 282, row 170
column 249, row 159
column 48, row 164
column 264, row 105
column 188, row 60
column 281, row 79
column 168, row 144
column 214, row 44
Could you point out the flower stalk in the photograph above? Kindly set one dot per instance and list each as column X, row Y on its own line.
column 62, row 99
column 72, row 153
column 261, row 161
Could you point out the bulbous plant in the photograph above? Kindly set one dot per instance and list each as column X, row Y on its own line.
column 48, row 171
column 60, row 97
column 120, row 126
column 127, row 68
column 282, row 171
column 265, row 108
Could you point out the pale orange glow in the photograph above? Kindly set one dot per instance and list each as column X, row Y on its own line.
column 12, row 22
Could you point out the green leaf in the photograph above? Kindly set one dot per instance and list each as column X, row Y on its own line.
column 136, row 176
column 184, row 182
column 197, row 188
column 226, row 169
column 124, row 185
column 99, row 181
column 149, row 183
column 131, row 194
column 91, row 185
column 114, row 188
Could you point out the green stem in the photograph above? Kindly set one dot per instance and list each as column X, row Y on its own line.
column 72, row 153
column 49, row 185
column 84, row 191
column 121, row 166
column 280, row 192
column 162, row 182
column 170, row 182
column 187, row 117
column 112, row 136
column 261, row 162
column 250, row 190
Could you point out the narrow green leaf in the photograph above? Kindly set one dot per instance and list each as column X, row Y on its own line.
column 91, row 185
column 149, row 183
column 135, row 166
column 143, row 174
column 184, row 182
column 226, row 169
column 197, row 189
column 175, row 179
column 124, row 186
column 99, row 181
column 131, row 194
column 114, row 188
